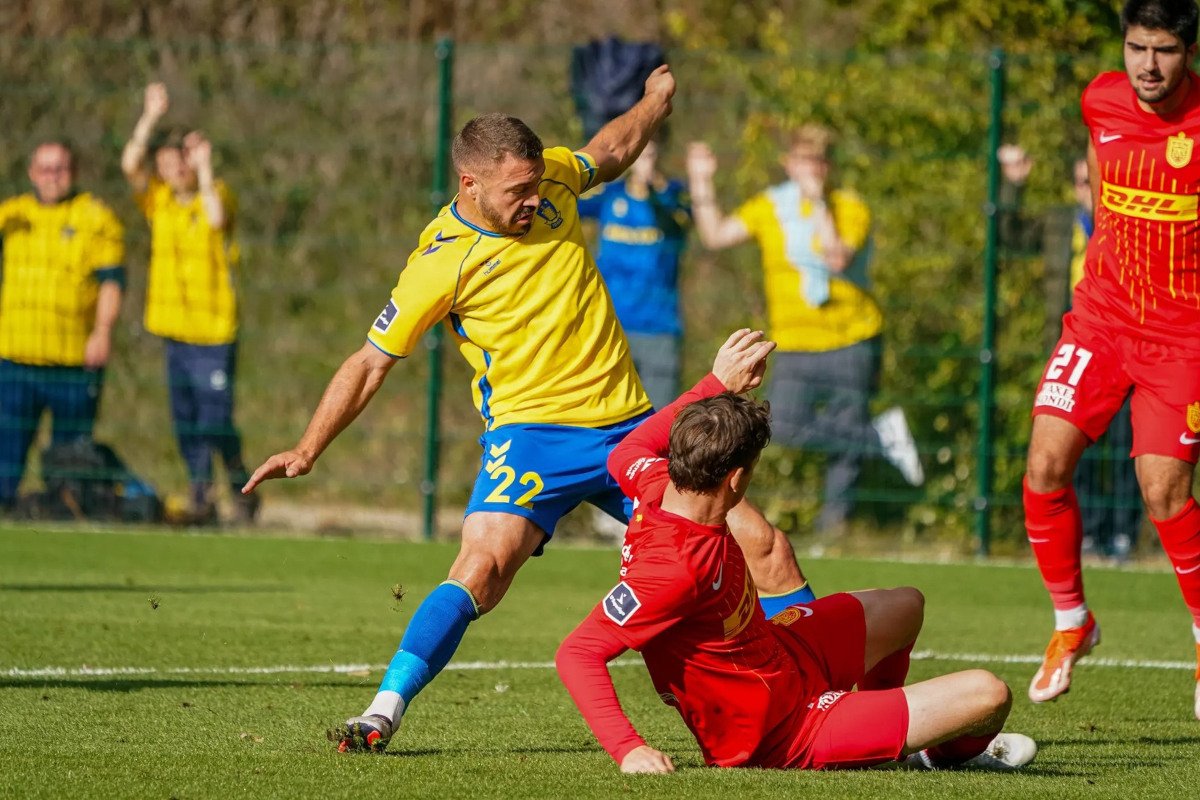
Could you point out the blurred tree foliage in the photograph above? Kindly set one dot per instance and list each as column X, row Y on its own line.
column 324, row 116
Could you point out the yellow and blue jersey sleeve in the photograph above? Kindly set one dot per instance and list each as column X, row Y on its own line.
column 423, row 295
column 574, row 170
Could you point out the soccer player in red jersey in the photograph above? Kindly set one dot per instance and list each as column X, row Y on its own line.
column 1135, row 326
column 759, row 693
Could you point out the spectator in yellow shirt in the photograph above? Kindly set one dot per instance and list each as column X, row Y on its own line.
column 60, row 294
column 191, row 298
column 815, row 245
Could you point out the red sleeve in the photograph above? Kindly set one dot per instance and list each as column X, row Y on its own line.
column 647, row 443
column 582, row 663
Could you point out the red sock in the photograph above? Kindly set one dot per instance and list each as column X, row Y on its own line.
column 956, row 751
column 889, row 673
column 1180, row 537
column 1055, row 530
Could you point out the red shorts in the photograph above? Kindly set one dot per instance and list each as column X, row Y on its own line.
column 834, row 728
column 1095, row 366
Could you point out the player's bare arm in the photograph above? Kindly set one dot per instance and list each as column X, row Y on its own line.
column 99, row 342
column 133, row 157
column 352, row 387
column 198, row 151
column 620, row 142
column 717, row 231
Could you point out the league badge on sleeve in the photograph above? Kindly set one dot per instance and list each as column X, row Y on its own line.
column 386, row 317
column 620, row 603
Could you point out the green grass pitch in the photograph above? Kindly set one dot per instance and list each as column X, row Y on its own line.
column 165, row 644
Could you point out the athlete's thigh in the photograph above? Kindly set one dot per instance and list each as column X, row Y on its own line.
column 539, row 472
column 1085, row 381
column 1165, row 409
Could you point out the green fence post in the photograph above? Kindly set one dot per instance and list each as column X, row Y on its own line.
column 987, row 359
column 433, row 340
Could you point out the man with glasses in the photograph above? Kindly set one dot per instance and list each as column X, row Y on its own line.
column 59, row 298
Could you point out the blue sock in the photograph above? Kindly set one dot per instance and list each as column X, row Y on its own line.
column 772, row 604
column 430, row 640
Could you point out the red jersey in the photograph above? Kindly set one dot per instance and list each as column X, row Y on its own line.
column 1143, row 260
column 687, row 603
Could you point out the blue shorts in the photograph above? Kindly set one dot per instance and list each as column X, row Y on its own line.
column 541, row 472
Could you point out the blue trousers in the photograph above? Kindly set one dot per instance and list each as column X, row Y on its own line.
column 71, row 393
column 201, row 379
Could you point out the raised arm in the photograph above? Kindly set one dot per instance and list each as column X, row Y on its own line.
column 133, row 157
column 618, row 144
column 738, row 368
column 717, row 231
column 352, row 387
column 199, row 155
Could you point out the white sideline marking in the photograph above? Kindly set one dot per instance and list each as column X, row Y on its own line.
column 345, row 669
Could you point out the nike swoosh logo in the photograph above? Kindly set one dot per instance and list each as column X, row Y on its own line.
column 1110, row 138
column 1187, row 571
column 1185, row 439
column 1037, row 541
column 720, row 578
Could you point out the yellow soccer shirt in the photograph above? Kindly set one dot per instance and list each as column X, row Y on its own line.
column 191, row 288
column 849, row 316
column 529, row 313
column 50, row 286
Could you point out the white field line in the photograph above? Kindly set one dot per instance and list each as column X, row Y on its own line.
column 360, row 670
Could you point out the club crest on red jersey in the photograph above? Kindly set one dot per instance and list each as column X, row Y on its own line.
column 1193, row 417
column 1179, row 150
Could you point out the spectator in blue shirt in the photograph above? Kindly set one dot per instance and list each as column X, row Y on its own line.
column 643, row 222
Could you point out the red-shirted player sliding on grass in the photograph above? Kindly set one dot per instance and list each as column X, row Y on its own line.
column 1135, row 327
column 756, row 693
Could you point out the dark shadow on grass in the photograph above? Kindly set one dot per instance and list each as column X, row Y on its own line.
column 138, row 684
column 141, row 589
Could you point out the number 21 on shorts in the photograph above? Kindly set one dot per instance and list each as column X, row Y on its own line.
column 1063, row 360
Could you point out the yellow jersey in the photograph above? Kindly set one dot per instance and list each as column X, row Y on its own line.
column 849, row 315
column 529, row 313
column 191, row 293
column 55, row 257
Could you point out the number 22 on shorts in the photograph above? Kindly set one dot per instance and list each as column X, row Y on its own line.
column 498, row 470
column 1063, row 359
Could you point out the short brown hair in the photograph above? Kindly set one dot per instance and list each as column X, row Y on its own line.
column 812, row 140
column 487, row 138
column 714, row 436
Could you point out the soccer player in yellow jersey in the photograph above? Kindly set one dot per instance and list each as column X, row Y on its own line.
column 60, row 294
column 505, row 267
column 191, row 299
column 815, row 245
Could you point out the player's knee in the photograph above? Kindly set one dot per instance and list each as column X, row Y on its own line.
column 992, row 694
column 914, row 603
column 1164, row 498
column 1047, row 470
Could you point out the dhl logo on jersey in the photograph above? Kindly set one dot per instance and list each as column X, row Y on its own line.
column 1145, row 204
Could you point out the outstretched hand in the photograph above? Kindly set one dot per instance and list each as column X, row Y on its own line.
column 645, row 760
column 291, row 464
column 742, row 360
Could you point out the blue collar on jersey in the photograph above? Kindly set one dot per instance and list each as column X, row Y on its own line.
column 476, row 228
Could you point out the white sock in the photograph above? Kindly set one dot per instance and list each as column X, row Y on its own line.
column 1196, row 632
column 386, row 704
column 1070, row 618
